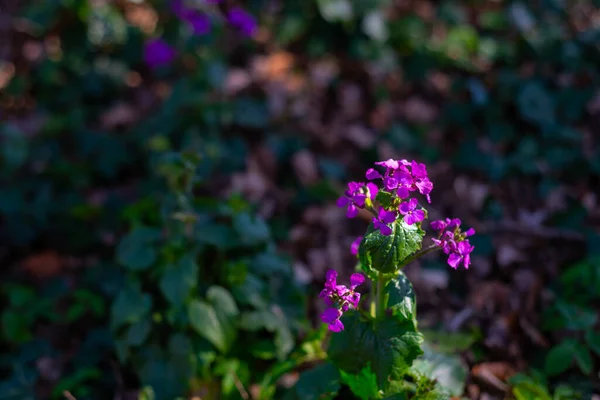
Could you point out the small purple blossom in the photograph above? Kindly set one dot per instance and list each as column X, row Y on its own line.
column 389, row 164
column 157, row 53
column 462, row 254
column 339, row 299
column 453, row 241
column 353, row 198
column 355, row 245
column 331, row 316
column 242, row 20
column 384, row 218
column 411, row 215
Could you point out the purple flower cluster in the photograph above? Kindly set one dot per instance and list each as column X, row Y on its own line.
column 454, row 242
column 339, row 298
column 399, row 179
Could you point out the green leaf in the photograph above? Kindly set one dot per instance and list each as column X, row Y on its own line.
column 583, row 358
column 15, row 327
column 401, row 298
column 252, row 230
column 593, row 340
column 321, row 380
column 130, row 306
column 138, row 332
column 449, row 371
column 363, row 385
column 137, row 250
column 386, row 253
column 576, row 317
column 216, row 319
column 389, row 346
column 179, row 279
column 559, row 358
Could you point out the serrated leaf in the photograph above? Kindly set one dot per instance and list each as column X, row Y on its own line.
column 363, row 384
column 179, row 279
column 386, row 253
column 216, row 319
column 389, row 346
column 401, row 298
column 137, row 250
column 321, row 380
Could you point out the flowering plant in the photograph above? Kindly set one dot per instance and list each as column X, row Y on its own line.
column 379, row 345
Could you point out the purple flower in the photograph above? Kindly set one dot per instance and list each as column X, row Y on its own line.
column 384, row 218
column 242, row 20
column 462, row 254
column 453, row 241
column 331, row 316
column 372, row 190
column 355, row 245
column 356, row 280
column 389, row 164
column 372, row 173
column 353, row 198
column 339, row 299
column 411, row 215
column 199, row 22
column 439, row 225
column 157, row 53
column 421, row 179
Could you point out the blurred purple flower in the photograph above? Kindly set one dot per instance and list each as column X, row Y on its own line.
column 199, row 22
column 355, row 245
column 157, row 53
column 242, row 20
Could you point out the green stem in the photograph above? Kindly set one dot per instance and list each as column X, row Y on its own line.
column 419, row 254
column 380, row 297
column 373, row 306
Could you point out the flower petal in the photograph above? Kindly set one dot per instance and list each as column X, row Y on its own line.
column 356, row 280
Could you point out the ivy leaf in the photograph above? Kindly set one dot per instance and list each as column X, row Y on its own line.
column 401, row 298
column 386, row 253
column 130, row 306
column 216, row 319
column 583, row 358
column 559, row 358
column 252, row 230
column 593, row 340
column 179, row 279
column 138, row 332
column 137, row 250
column 363, row 385
column 389, row 346
column 321, row 380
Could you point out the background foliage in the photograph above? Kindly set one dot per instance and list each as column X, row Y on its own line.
column 136, row 202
